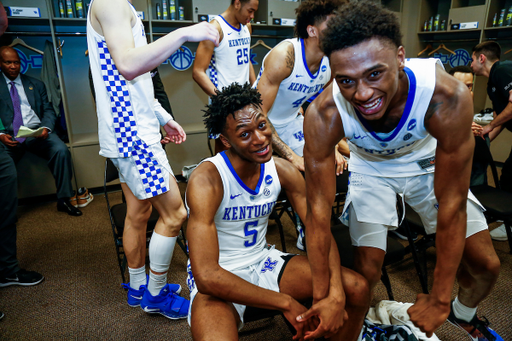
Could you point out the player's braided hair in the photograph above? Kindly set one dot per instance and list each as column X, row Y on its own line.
column 357, row 22
column 312, row 12
column 226, row 102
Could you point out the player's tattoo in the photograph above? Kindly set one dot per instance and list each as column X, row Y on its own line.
column 278, row 145
column 432, row 108
column 290, row 58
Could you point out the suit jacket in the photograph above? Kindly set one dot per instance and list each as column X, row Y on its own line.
column 37, row 98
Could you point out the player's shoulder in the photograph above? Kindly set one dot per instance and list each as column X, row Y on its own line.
column 324, row 104
column 205, row 176
column 447, row 88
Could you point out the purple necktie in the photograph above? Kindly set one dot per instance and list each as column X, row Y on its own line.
column 17, row 121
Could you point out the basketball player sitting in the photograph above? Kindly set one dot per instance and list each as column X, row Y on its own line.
column 230, row 197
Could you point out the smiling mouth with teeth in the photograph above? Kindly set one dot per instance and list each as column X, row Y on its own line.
column 262, row 150
column 373, row 105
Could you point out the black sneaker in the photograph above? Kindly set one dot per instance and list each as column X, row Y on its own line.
column 22, row 277
column 400, row 233
column 477, row 329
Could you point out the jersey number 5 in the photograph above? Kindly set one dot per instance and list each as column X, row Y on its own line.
column 242, row 56
column 253, row 233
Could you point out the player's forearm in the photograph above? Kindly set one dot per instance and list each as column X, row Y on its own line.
column 450, row 241
column 335, row 286
column 139, row 60
column 503, row 117
column 279, row 146
column 231, row 288
column 318, row 237
column 201, row 78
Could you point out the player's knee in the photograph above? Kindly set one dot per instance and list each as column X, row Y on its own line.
column 139, row 218
column 489, row 266
column 175, row 219
column 358, row 292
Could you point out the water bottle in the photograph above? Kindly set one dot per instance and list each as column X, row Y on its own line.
column 181, row 13
column 172, row 9
column 79, row 9
column 61, row 9
column 164, row 9
column 158, row 13
column 69, row 8
column 509, row 16
column 502, row 18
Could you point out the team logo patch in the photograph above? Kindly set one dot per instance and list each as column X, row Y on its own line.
column 299, row 136
column 324, row 68
column 407, row 136
column 412, row 124
column 268, row 179
column 269, row 265
column 266, row 192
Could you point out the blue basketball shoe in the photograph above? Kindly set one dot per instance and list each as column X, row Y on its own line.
column 166, row 303
column 477, row 329
column 135, row 296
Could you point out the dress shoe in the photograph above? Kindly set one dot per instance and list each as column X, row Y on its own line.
column 65, row 206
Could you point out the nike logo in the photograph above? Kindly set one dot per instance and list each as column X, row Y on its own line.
column 137, row 297
column 299, row 76
column 234, row 196
column 229, row 33
column 359, row 137
column 150, row 310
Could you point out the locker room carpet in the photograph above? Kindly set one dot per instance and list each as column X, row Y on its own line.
column 81, row 297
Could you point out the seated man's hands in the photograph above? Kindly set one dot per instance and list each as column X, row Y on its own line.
column 44, row 134
column 428, row 313
column 175, row 133
column 331, row 314
column 7, row 140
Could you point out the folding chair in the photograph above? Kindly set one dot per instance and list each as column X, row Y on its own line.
column 395, row 253
column 117, row 214
column 418, row 248
column 497, row 202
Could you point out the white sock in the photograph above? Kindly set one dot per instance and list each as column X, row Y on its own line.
column 156, row 283
column 137, row 277
column 462, row 312
column 161, row 249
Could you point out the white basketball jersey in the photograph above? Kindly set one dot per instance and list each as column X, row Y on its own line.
column 242, row 216
column 125, row 108
column 298, row 87
column 231, row 59
column 409, row 149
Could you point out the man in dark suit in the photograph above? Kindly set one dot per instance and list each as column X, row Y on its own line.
column 23, row 101
column 10, row 152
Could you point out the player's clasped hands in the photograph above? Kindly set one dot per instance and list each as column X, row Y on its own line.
column 329, row 316
column 203, row 31
column 428, row 314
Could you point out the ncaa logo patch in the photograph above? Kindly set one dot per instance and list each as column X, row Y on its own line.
column 384, row 144
column 268, row 179
column 412, row 124
column 324, row 68
column 407, row 136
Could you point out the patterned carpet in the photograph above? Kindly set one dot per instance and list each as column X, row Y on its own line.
column 81, row 297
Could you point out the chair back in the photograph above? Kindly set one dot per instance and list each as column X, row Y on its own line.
column 111, row 172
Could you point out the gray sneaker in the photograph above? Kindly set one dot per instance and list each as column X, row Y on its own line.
column 499, row 233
